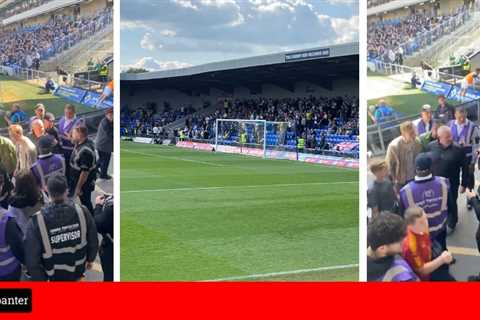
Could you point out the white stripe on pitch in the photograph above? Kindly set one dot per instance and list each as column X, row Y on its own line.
column 246, row 187
column 174, row 158
column 285, row 273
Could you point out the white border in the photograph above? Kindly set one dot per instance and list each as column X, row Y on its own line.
column 116, row 139
column 362, row 173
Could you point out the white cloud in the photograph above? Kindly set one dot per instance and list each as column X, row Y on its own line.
column 148, row 43
column 132, row 25
column 168, row 33
column 185, row 4
column 151, row 64
column 346, row 29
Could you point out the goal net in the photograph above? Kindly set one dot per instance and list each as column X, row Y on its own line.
column 252, row 137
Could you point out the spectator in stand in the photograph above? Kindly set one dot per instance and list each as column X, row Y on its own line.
column 6, row 187
column 50, row 85
column 383, row 112
column 104, row 144
column 8, row 155
column 401, row 154
column 104, row 221
column 17, row 115
column 38, row 130
column 66, row 125
column 381, row 195
column 385, row 236
column 424, row 123
column 26, row 199
column 26, row 150
column 444, row 112
column 49, row 123
column 418, row 252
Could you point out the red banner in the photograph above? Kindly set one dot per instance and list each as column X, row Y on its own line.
column 246, row 300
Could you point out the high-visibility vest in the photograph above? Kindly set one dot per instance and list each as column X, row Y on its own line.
column 64, row 240
column 301, row 143
column 103, row 71
column 8, row 262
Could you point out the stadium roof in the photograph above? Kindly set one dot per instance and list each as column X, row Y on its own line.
column 329, row 57
column 45, row 8
column 394, row 5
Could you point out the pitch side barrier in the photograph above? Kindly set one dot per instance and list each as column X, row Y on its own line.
column 329, row 158
column 380, row 135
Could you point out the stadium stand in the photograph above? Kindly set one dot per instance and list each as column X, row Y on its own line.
column 287, row 88
column 392, row 39
column 27, row 46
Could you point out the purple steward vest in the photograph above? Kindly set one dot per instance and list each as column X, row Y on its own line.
column 400, row 271
column 46, row 167
column 64, row 132
column 464, row 137
column 8, row 262
column 432, row 196
column 421, row 127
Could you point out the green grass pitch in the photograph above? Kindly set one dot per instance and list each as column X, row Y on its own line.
column 28, row 95
column 209, row 216
column 398, row 95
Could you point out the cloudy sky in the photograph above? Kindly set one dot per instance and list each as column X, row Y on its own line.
column 167, row 34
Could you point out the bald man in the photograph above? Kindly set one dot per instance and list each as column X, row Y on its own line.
column 38, row 130
column 449, row 160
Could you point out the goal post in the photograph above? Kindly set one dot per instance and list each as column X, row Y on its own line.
column 253, row 137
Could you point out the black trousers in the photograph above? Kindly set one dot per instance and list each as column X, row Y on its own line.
column 103, row 162
column 86, row 198
column 453, row 214
column 106, row 258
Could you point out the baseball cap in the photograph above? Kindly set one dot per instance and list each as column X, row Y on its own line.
column 427, row 107
column 423, row 162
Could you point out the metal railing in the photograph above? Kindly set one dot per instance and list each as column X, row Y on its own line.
column 40, row 77
column 380, row 135
column 392, row 69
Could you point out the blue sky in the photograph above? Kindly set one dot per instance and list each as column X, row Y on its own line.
column 167, row 34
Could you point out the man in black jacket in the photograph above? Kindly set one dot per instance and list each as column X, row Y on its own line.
column 104, row 144
column 62, row 240
column 449, row 160
column 104, row 223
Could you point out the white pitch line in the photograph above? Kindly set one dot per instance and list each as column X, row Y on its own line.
column 174, row 158
column 250, row 186
column 283, row 273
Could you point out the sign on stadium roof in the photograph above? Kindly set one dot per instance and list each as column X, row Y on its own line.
column 320, row 53
column 339, row 50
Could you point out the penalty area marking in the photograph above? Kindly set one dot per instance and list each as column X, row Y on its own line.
column 246, row 187
column 284, row 273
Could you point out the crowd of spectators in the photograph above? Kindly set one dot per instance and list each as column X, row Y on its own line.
column 47, row 176
column 389, row 40
column 315, row 118
column 414, row 199
column 142, row 120
column 337, row 115
column 26, row 46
